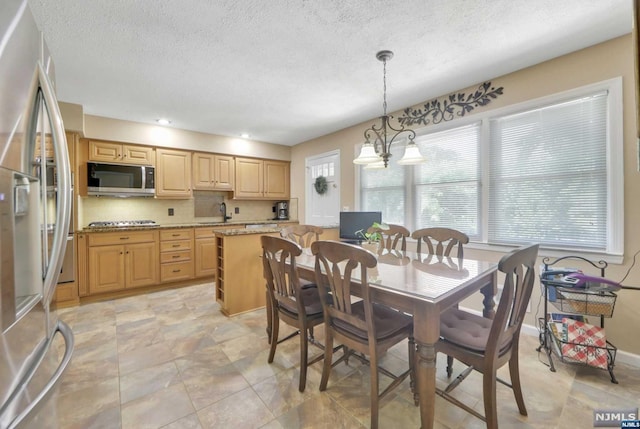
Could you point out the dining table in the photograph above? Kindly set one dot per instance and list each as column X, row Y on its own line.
column 424, row 286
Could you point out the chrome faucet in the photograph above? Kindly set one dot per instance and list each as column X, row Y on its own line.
column 223, row 210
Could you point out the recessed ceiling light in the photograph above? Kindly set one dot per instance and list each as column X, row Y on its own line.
column 244, row 135
column 163, row 121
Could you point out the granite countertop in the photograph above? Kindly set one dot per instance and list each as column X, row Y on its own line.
column 239, row 227
column 246, row 231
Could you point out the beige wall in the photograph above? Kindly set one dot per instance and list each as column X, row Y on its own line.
column 605, row 61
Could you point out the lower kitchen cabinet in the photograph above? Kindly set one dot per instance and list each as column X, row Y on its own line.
column 66, row 294
column 118, row 261
column 205, row 252
column 176, row 255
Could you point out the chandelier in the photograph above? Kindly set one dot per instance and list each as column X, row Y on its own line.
column 376, row 150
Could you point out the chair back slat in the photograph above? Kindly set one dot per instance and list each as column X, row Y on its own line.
column 440, row 241
column 304, row 235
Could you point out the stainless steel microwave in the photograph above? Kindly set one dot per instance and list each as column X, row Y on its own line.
column 120, row 180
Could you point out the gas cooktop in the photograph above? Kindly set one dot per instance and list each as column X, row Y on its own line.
column 122, row 223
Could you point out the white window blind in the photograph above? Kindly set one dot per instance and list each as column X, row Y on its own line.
column 548, row 175
column 446, row 191
column 384, row 190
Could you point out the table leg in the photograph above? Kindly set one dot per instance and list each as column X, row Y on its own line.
column 426, row 379
column 489, row 291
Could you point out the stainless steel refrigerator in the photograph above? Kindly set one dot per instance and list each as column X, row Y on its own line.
column 35, row 347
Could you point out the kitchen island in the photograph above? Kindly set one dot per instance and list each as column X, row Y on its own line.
column 240, row 283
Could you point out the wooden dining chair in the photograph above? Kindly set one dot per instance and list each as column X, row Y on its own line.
column 296, row 306
column 304, row 235
column 362, row 326
column 391, row 237
column 440, row 241
column 488, row 344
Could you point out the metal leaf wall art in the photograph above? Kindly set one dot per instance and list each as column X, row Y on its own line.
column 454, row 105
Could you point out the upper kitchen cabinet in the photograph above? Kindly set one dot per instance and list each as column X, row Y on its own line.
column 213, row 172
column 173, row 174
column 276, row 180
column 261, row 179
column 100, row 151
column 48, row 146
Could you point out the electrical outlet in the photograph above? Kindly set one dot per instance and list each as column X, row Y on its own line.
column 170, row 212
column 237, row 211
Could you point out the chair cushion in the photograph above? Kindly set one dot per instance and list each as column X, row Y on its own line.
column 305, row 284
column 311, row 299
column 466, row 330
column 387, row 321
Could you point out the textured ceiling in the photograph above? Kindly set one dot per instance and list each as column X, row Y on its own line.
column 286, row 71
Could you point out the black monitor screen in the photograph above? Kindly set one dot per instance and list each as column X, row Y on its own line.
column 350, row 222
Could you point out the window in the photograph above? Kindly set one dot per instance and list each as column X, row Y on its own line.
column 558, row 196
column 384, row 190
column 546, row 171
column 447, row 187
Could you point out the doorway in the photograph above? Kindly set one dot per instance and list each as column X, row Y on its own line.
column 322, row 206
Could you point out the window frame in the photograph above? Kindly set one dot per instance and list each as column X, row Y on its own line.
column 614, row 165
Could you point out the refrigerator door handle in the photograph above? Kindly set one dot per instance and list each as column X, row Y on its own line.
column 63, row 206
column 44, row 394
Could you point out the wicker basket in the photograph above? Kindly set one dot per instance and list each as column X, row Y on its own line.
column 594, row 304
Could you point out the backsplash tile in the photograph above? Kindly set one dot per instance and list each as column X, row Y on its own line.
column 94, row 209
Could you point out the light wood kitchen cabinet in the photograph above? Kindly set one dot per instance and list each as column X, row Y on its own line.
column 122, row 260
column 276, row 180
column 48, row 147
column 261, row 179
column 101, row 151
column 173, row 174
column 213, row 172
column 176, row 255
column 205, row 252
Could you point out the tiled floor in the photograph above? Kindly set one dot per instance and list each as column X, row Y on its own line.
column 170, row 360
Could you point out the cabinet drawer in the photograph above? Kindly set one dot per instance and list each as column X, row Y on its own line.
column 177, row 271
column 175, row 234
column 205, row 232
column 66, row 292
column 170, row 246
column 109, row 238
column 184, row 255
